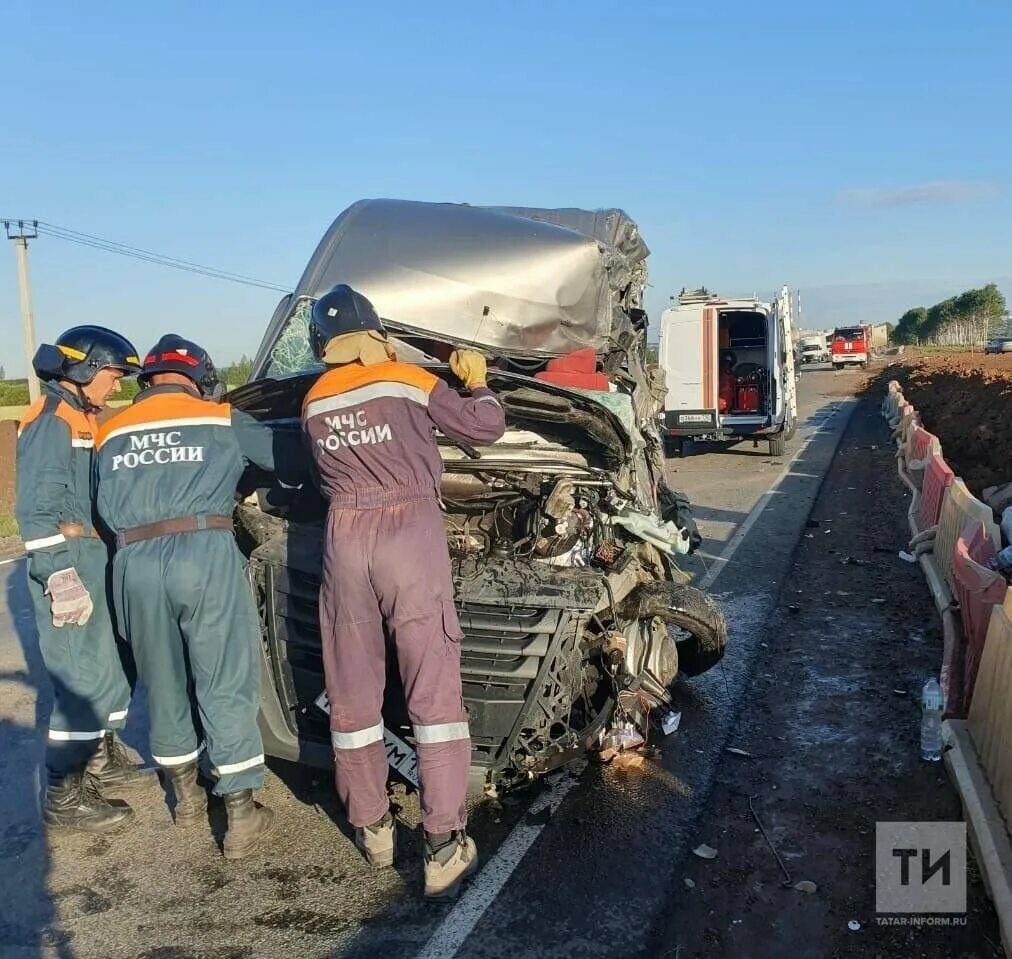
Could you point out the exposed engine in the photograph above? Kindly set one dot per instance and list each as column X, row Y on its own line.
column 560, row 521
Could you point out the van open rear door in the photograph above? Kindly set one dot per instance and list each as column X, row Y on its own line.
column 782, row 319
column 687, row 353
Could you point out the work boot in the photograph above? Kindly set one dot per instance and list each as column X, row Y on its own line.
column 75, row 801
column 112, row 765
column 190, row 796
column 448, row 862
column 248, row 823
column 378, row 842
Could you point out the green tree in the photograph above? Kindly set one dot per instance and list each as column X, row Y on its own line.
column 237, row 373
column 911, row 326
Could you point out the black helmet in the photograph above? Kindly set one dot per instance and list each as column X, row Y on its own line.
column 342, row 310
column 173, row 354
column 81, row 352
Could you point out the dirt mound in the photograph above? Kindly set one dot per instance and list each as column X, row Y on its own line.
column 963, row 398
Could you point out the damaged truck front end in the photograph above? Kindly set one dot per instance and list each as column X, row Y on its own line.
column 563, row 536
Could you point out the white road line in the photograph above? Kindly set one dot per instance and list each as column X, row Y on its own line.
column 7, row 562
column 460, row 921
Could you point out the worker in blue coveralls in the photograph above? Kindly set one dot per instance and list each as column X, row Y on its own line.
column 67, row 578
column 167, row 468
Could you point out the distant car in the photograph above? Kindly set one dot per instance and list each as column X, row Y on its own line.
column 1000, row 345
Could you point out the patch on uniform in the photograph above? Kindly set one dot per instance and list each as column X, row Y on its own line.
column 332, row 311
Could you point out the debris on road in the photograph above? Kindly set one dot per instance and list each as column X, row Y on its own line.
column 689, row 884
column 769, row 842
column 735, row 751
column 670, row 722
column 704, row 851
column 907, row 557
column 806, row 886
column 854, row 925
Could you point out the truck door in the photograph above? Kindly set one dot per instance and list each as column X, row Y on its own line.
column 687, row 351
column 784, row 322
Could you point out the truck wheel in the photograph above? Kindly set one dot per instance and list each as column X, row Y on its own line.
column 777, row 445
column 837, row 366
column 691, row 611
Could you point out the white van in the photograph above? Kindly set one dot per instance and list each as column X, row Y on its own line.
column 729, row 367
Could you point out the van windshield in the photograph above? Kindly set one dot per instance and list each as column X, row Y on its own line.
column 291, row 352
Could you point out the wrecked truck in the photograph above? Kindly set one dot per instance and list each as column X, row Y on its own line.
column 564, row 538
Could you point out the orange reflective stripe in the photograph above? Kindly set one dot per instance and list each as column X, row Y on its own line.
column 82, row 425
column 171, row 407
column 31, row 414
column 341, row 379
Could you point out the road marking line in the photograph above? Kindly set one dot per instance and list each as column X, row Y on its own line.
column 7, row 562
column 460, row 921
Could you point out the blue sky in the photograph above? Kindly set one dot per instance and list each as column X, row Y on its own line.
column 860, row 152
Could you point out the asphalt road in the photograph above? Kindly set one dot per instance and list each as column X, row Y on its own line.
column 586, row 864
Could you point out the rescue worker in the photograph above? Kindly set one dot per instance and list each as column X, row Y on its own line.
column 67, row 570
column 370, row 423
column 166, row 471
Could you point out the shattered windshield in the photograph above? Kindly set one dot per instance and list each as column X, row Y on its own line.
column 292, row 352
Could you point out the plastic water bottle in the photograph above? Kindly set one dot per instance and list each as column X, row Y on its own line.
column 931, row 721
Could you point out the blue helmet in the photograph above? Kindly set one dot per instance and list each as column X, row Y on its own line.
column 81, row 352
column 173, row 354
column 342, row 310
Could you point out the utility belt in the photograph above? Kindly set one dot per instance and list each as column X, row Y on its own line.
column 169, row 527
column 74, row 530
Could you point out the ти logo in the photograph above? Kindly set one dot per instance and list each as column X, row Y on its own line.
column 920, row 867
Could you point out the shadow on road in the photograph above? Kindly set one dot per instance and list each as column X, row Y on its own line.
column 28, row 920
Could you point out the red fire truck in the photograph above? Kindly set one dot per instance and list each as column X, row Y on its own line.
column 851, row 346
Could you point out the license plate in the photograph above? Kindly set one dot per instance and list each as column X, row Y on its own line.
column 694, row 418
column 400, row 756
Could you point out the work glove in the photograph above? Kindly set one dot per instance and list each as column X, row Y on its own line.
column 71, row 602
column 469, row 366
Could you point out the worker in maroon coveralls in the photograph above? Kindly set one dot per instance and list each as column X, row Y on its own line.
column 370, row 422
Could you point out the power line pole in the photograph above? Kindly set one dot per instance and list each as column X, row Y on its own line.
column 21, row 232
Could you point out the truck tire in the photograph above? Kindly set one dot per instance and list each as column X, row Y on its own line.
column 777, row 445
column 691, row 610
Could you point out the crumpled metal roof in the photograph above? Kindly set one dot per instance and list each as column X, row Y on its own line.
column 516, row 280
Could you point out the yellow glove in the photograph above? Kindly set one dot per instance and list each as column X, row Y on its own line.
column 470, row 366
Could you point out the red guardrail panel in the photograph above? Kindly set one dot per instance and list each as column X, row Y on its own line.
column 978, row 590
column 938, row 477
column 922, row 443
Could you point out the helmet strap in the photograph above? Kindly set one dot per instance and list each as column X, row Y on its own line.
column 85, row 402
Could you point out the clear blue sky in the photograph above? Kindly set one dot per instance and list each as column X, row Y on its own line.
column 860, row 152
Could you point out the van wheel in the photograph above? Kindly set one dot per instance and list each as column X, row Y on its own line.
column 687, row 609
column 777, row 445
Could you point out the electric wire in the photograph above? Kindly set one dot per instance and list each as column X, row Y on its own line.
column 149, row 256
